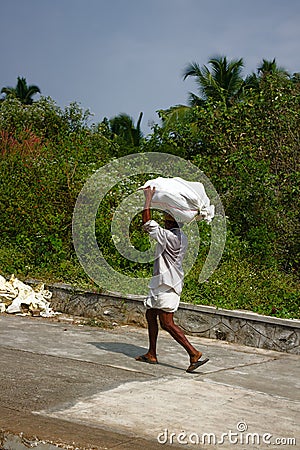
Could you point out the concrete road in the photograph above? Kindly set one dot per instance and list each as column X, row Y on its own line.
column 68, row 385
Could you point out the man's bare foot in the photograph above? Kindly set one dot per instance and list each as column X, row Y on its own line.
column 150, row 359
column 196, row 361
column 195, row 357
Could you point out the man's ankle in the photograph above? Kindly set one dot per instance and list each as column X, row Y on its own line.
column 195, row 356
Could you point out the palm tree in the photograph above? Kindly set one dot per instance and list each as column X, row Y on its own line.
column 296, row 78
column 221, row 82
column 271, row 68
column 267, row 68
column 22, row 91
column 123, row 127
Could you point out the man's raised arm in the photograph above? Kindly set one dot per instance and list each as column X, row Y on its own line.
column 146, row 215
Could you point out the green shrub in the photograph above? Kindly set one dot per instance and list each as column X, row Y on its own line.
column 250, row 152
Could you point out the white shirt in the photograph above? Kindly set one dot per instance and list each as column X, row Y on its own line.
column 169, row 254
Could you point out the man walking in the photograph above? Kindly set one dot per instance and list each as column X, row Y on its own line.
column 166, row 284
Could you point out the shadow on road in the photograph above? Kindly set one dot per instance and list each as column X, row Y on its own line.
column 129, row 350
column 120, row 347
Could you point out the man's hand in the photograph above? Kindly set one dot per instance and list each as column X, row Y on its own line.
column 149, row 192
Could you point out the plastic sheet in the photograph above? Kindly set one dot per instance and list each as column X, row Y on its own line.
column 17, row 297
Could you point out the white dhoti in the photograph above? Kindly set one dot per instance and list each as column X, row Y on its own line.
column 164, row 297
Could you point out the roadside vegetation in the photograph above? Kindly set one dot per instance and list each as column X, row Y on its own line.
column 244, row 133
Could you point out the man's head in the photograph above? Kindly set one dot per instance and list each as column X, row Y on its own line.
column 170, row 222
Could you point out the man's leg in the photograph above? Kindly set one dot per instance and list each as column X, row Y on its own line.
column 167, row 323
column 151, row 316
column 150, row 356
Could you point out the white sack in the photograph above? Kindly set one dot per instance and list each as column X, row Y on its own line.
column 184, row 200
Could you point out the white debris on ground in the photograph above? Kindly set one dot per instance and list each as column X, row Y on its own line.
column 17, row 297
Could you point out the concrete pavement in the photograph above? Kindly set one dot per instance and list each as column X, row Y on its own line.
column 68, row 385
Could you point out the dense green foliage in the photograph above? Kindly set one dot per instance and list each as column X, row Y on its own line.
column 249, row 148
column 250, row 152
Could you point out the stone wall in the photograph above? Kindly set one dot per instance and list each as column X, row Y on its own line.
column 242, row 327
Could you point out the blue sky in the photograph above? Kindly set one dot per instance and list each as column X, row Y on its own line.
column 116, row 56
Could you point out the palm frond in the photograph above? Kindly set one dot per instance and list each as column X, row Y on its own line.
column 192, row 70
column 268, row 67
column 221, row 81
column 22, row 91
column 175, row 114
